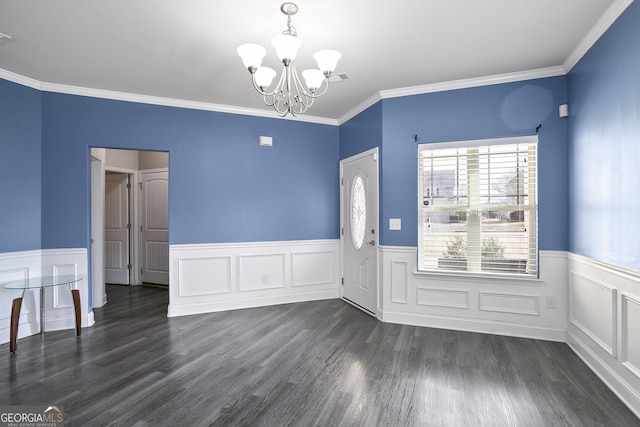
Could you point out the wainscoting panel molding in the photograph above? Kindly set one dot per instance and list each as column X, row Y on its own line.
column 510, row 303
column 399, row 281
column 61, row 295
column 313, row 268
column 592, row 309
column 493, row 304
column 603, row 327
column 443, row 298
column 630, row 336
column 17, row 266
column 259, row 272
column 200, row 276
column 59, row 312
column 253, row 274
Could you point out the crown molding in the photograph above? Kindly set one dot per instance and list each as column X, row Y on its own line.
column 453, row 85
column 474, row 82
column 359, row 108
column 19, row 79
column 178, row 103
column 613, row 12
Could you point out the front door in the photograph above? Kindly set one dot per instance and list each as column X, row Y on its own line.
column 359, row 207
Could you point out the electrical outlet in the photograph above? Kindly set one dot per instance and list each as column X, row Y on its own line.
column 551, row 302
column 265, row 278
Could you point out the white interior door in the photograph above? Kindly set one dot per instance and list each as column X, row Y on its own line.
column 359, row 207
column 116, row 229
column 154, row 214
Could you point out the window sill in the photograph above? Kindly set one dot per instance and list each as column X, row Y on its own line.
column 494, row 277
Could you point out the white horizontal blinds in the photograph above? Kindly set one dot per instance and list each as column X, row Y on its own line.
column 478, row 207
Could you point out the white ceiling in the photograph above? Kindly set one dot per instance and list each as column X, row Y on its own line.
column 186, row 49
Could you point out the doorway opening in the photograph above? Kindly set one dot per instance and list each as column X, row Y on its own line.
column 129, row 219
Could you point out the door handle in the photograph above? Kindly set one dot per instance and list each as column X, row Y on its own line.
column 371, row 243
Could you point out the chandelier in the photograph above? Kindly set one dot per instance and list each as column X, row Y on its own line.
column 289, row 94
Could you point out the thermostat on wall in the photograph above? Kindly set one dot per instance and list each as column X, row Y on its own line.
column 563, row 110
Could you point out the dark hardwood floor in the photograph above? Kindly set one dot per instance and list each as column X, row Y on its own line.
column 319, row 363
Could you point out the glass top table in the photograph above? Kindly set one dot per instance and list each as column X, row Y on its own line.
column 41, row 283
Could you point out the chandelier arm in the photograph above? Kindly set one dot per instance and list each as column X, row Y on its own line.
column 319, row 93
column 301, row 95
column 316, row 93
column 299, row 86
column 260, row 91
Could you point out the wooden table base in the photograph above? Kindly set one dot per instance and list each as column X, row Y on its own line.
column 15, row 318
column 76, row 305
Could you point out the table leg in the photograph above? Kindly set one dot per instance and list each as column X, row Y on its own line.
column 42, row 311
column 76, row 304
column 15, row 317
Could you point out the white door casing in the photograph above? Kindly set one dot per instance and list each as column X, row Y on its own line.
column 116, row 228
column 154, row 215
column 99, row 293
column 359, row 239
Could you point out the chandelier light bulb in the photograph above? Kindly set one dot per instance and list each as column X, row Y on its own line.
column 313, row 78
column 286, row 47
column 327, row 60
column 264, row 76
column 251, row 54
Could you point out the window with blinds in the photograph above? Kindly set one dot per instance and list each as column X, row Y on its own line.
column 478, row 206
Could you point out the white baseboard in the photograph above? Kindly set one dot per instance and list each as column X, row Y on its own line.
column 476, row 325
column 213, row 307
column 618, row 385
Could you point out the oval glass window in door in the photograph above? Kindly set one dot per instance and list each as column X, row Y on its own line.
column 358, row 212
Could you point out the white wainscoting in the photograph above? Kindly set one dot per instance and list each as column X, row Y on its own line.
column 503, row 306
column 604, row 324
column 59, row 312
column 215, row 277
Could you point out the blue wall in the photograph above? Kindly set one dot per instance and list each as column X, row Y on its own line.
column 20, row 167
column 223, row 186
column 361, row 133
column 511, row 109
column 604, row 126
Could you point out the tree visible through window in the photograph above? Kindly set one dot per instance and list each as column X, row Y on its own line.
column 478, row 206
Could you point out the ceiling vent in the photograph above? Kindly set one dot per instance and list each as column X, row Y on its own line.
column 339, row 77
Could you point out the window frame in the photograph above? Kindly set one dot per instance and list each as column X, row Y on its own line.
column 531, row 270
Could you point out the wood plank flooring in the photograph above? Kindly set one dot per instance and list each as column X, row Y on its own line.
column 320, row 363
